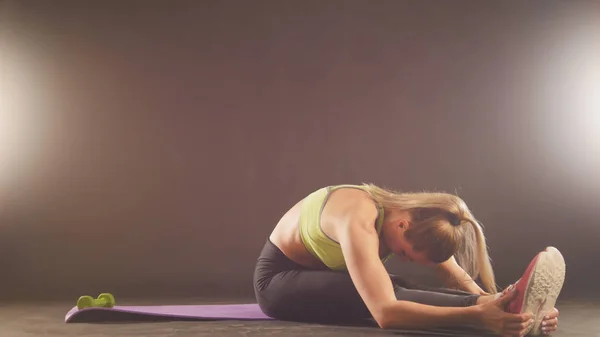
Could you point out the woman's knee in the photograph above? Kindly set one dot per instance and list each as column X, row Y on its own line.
column 275, row 305
column 271, row 300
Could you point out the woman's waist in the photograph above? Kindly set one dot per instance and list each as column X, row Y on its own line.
column 293, row 248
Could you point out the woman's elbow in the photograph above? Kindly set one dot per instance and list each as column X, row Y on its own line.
column 381, row 321
column 387, row 317
column 387, row 322
column 384, row 323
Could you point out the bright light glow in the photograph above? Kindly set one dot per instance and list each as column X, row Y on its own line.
column 571, row 127
column 585, row 98
column 19, row 109
column 8, row 112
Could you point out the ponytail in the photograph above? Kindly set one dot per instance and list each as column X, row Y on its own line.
column 484, row 266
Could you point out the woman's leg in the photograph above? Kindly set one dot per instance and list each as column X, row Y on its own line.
column 287, row 291
column 440, row 297
column 443, row 297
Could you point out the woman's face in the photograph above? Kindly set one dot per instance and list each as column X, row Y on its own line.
column 396, row 241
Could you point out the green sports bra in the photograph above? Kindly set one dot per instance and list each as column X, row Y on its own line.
column 315, row 240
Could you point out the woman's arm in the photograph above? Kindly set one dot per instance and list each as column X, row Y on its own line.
column 455, row 277
column 360, row 242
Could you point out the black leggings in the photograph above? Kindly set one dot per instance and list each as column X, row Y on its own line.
column 286, row 290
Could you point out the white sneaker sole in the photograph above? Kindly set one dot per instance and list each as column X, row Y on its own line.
column 544, row 286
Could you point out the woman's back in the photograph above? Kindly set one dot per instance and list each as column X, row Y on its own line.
column 310, row 228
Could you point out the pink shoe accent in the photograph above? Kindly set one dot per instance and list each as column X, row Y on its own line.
column 516, row 305
column 539, row 287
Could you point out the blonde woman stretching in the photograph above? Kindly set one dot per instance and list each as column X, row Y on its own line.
column 324, row 263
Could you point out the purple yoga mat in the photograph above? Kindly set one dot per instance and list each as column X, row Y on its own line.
column 209, row 312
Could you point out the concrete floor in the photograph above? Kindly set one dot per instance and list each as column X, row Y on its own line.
column 577, row 318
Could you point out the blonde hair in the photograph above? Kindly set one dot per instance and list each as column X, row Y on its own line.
column 443, row 226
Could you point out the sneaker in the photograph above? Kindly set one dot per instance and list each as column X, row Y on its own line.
column 539, row 287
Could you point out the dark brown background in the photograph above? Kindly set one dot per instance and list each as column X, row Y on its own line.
column 153, row 145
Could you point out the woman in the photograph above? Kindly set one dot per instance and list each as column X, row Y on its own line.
column 324, row 263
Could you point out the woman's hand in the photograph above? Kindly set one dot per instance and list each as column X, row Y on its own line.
column 493, row 317
column 550, row 322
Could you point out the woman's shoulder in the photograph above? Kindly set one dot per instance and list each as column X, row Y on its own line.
column 353, row 201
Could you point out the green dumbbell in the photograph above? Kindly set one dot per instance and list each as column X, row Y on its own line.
column 104, row 300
